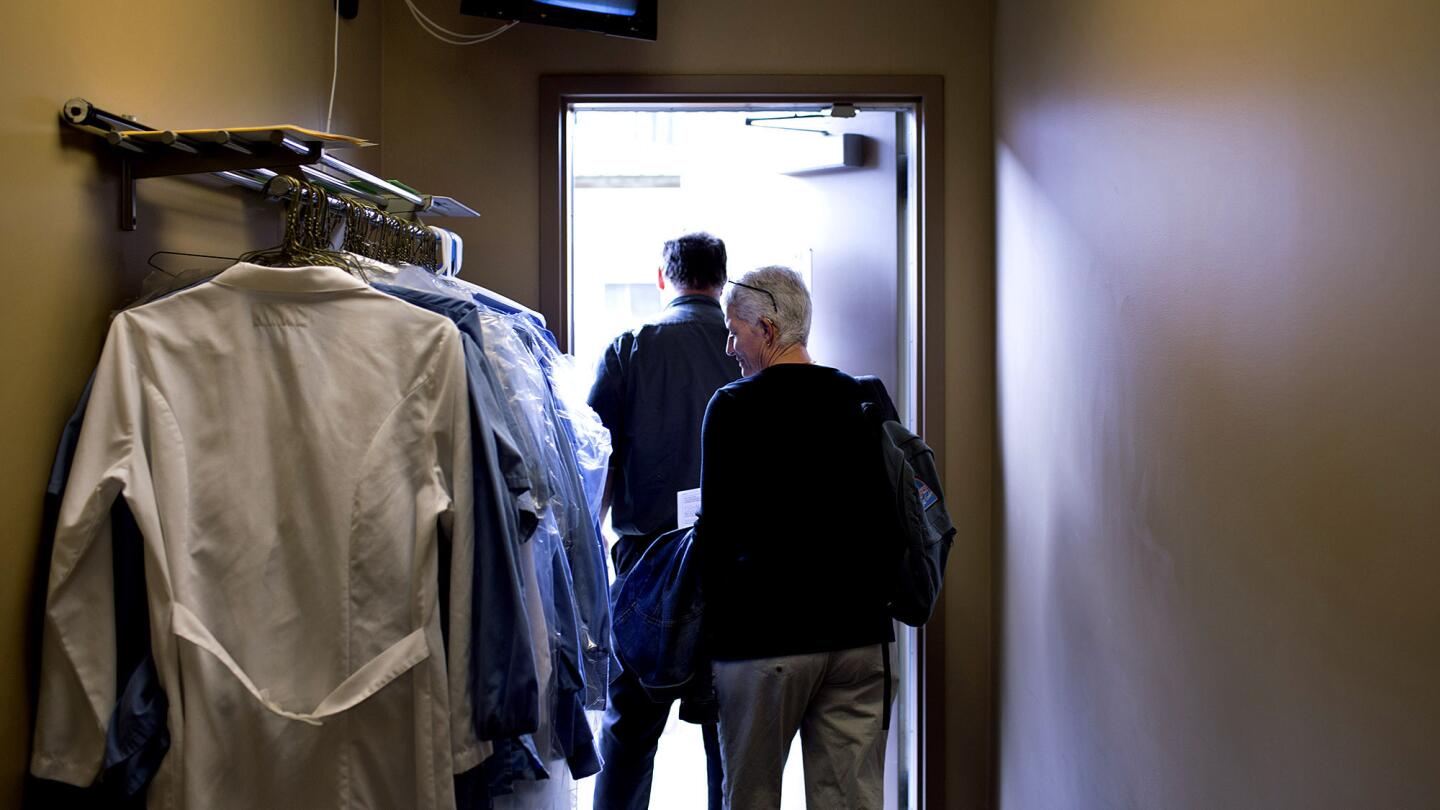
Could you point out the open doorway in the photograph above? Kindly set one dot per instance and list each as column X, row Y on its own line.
column 829, row 189
column 823, row 195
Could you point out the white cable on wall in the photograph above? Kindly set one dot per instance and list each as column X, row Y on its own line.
column 334, row 69
column 444, row 34
column 430, row 27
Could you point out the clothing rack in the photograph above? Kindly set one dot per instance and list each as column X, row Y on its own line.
column 274, row 161
column 249, row 157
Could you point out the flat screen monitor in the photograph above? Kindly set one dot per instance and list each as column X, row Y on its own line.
column 621, row 18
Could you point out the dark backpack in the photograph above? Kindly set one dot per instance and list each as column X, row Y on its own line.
column 922, row 531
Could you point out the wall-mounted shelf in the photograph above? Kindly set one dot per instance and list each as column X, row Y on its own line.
column 245, row 156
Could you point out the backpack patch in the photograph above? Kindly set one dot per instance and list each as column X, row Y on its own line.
column 928, row 498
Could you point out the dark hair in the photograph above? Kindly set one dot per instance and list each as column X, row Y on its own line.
column 695, row 261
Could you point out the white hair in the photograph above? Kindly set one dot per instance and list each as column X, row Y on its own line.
column 789, row 311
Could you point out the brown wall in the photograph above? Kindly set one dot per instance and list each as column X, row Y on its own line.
column 172, row 64
column 1218, row 398
column 464, row 122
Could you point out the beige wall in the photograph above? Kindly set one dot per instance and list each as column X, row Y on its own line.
column 172, row 64
column 464, row 122
column 1218, row 399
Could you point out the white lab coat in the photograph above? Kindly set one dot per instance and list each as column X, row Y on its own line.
column 295, row 447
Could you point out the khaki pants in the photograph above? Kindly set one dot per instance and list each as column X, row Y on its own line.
column 834, row 699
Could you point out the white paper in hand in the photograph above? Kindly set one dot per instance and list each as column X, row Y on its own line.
column 687, row 506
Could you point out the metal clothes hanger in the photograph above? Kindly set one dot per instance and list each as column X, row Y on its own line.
column 284, row 254
column 310, row 220
column 151, row 261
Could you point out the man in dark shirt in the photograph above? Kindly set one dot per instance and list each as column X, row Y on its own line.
column 651, row 389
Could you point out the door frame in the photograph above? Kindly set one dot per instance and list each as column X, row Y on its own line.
column 926, row 94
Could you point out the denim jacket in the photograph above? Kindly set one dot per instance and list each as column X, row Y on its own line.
column 658, row 621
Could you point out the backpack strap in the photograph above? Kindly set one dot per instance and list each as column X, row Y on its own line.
column 872, row 389
column 881, row 408
column 885, row 656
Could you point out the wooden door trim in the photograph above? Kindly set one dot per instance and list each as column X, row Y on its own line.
column 926, row 93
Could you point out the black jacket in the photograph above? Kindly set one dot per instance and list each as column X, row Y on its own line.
column 791, row 508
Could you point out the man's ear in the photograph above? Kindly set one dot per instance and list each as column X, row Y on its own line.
column 660, row 277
